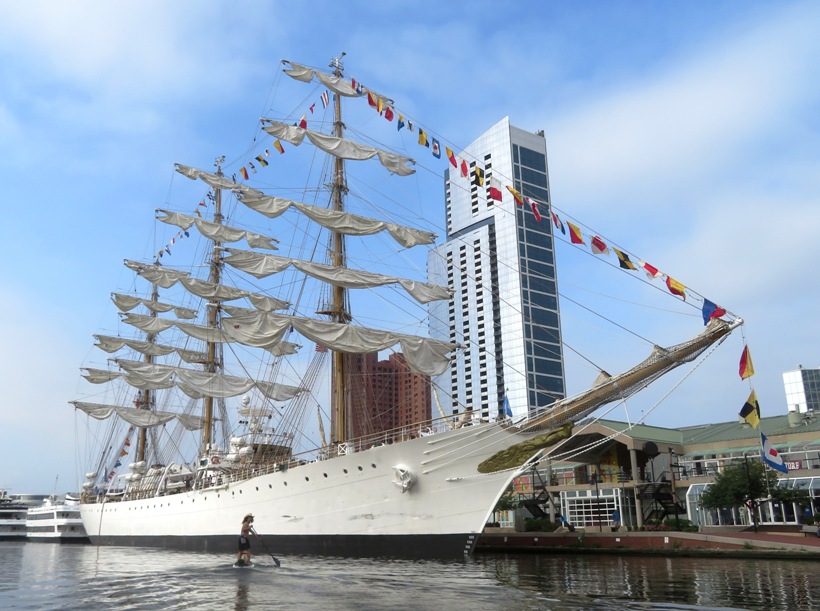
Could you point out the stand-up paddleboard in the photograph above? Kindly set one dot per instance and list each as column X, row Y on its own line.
column 243, row 564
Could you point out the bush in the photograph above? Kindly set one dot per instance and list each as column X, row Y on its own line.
column 808, row 520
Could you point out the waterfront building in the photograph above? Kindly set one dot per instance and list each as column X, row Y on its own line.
column 653, row 473
column 499, row 261
column 802, row 388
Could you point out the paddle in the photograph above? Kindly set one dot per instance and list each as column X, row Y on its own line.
column 275, row 559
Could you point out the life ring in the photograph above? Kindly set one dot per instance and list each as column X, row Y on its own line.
column 215, row 460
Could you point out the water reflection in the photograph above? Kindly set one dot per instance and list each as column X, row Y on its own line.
column 704, row 582
column 242, row 600
column 47, row 576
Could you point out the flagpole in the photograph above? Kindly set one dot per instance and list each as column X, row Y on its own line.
column 765, row 466
column 751, row 503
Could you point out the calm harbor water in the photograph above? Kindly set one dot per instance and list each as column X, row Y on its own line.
column 51, row 576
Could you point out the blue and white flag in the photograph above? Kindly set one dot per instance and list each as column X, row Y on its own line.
column 771, row 456
column 507, row 408
column 436, row 149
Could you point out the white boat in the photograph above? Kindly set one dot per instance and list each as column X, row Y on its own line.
column 12, row 518
column 57, row 520
column 424, row 489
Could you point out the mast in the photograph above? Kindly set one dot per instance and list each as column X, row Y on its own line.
column 339, row 311
column 146, row 401
column 213, row 307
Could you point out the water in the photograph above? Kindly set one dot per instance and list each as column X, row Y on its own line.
column 51, row 576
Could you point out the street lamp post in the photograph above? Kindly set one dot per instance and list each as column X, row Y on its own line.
column 672, row 479
column 594, row 480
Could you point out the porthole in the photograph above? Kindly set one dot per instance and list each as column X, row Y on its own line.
column 373, row 465
column 325, row 474
column 345, row 470
column 307, row 479
column 360, row 468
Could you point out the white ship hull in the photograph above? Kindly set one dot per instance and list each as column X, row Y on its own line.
column 348, row 505
column 56, row 523
column 12, row 529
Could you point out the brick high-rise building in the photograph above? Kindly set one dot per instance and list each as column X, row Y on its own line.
column 385, row 395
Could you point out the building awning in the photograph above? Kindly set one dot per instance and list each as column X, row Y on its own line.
column 740, row 451
column 797, row 446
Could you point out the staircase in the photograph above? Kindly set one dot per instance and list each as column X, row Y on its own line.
column 658, row 500
column 535, row 505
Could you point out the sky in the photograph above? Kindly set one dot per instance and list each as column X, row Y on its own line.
column 687, row 131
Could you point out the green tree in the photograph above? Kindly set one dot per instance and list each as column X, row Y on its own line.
column 747, row 480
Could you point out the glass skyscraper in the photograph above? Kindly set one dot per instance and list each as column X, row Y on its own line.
column 499, row 260
column 802, row 388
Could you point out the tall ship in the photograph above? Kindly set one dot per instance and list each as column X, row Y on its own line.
column 12, row 518
column 229, row 369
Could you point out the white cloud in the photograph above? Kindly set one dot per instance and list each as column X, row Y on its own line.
column 133, row 50
column 668, row 132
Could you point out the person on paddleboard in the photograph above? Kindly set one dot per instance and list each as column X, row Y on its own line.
column 244, row 555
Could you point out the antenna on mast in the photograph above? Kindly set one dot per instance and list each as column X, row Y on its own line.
column 336, row 63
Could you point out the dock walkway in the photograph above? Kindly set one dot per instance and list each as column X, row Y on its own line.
column 746, row 543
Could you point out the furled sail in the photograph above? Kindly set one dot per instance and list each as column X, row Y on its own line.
column 147, row 376
column 138, row 417
column 262, row 265
column 220, row 292
column 111, row 344
column 343, row 222
column 211, row 291
column 230, row 332
column 126, row 303
column 192, row 356
column 340, row 147
column 217, row 231
column 209, row 178
column 334, row 83
column 100, row 376
column 199, row 384
column 161, row 276
column 149, row 324
column 423, row 355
